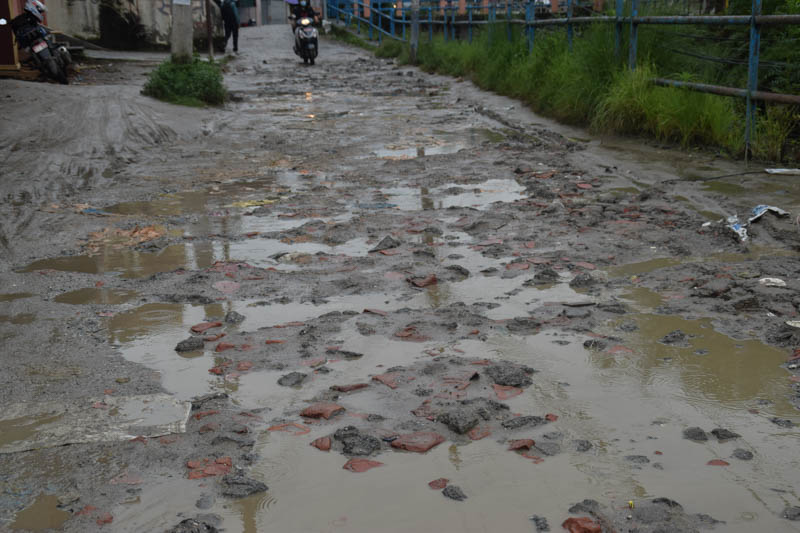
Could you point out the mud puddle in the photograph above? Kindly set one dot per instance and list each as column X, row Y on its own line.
column 10, row 297
column 479, row 195
column 391, row 152
column 97, row 296
column 42, row 514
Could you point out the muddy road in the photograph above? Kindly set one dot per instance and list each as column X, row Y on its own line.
column 362, row 298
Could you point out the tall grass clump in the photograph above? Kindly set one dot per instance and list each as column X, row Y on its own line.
column 194, row 83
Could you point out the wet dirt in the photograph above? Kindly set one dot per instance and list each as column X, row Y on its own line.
column 443, row 266
column 43, row 514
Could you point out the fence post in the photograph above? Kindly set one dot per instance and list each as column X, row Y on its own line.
column 453, row 24
column 444, row 23
column 569, row 24
column 391, row 20
column 469, row 25
column 430, row 24
column 634, row 34
column 380, row 23
column 371, row 17
column 618, row 24
column 414, row 30
column 752, row 76
column 403, row 17
column 530, row 15
column 508, row 21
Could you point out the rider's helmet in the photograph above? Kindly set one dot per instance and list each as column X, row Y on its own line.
column 303, row 3
column 35, row 8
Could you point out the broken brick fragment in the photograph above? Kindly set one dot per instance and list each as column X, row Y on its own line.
column 423, row 282
column 214, row 338
column 322, row 443
column 504, row 392
column 360, row 465
column 244, row 366
column 583, row 524
column 299, row 429
column 718, row 462
column 376, row 312
column 322, row 410
column 212, row 426
column 550, row 417
column 204, row 326
column 521, row 444
column 203, row 414
column 389, row 379
column 439, row 484
column 104, row 519
column 478, row 433
column 420, row 441
column 221, row 347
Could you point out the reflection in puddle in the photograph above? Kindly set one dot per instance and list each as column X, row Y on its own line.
column 479, row 195
column 413, row 152
column 96, row 296
column 42, row 514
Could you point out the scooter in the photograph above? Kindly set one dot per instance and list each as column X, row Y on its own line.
column 37, row 40
column 306, row 39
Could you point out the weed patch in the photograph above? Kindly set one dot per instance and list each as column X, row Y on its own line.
column 195, row 83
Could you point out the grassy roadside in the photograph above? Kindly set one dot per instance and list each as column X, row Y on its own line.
column 196, row 83
column 589, row 86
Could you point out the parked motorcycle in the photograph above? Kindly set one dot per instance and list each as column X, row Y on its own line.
column 306, row 39
column 37, row 40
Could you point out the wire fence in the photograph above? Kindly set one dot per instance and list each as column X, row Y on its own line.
column 392, row 19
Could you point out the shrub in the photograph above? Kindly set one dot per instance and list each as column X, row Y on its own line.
column 194, row 83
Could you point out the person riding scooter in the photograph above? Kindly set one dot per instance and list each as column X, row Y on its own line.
column 301, row 10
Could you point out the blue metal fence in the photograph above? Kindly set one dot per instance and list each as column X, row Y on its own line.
column 384, row 17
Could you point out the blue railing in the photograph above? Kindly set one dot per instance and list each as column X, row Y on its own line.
column 391, row 19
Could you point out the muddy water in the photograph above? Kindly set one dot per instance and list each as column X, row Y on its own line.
column 96, row 296
column 41, row 515
column 478, row 195
column 19, row 429
column 14, row 296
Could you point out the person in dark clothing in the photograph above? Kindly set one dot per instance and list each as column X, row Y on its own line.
column 230, row 19
column 300, row 10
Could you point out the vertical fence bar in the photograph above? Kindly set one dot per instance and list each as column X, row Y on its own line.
column 453, row 24
column 430, row 24
column 529, row 14
column 391, row 20
column 634, row 35
column 508, row 21
column 444, row 23
column 414, row 30
column 403, row 17
column 569, row 24
column 469, row 23
column 618, row 32
column 752, row 76
column 371, row 17
column 379, row 26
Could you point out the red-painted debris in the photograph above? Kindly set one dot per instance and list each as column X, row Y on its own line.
column 322, row 410
column 619, row 349
column 322, row 443
column 212, row 338
column 550, row 417
column 587, row 266
column 140, row 438
column 100, row 405
column 521, row 444
column 203, row 414
column 201, row 468
column 478, row 433
column 420, row 441
column 292, row 427
column 226, row 287
column 504, row 392
column 535, row 458
column 394, row 275
column 376, row 312
column 244, row 366
column 424, row 410
column 481, row 362
column 530, row 244
column 204, row 326
column 86, row 510
column 108, row 391
column 168, row 439
column 538, row 261
column 360, row 465
column 313, row 363
column 273, row 341
column 583, row 524
column 389, row 379
column 718, row 462
column 518, row 266
column 658, row 452
column 349, row 388
column 439, row 484
column 410, row 334
column 208, row 428
column 424, row 282
column 391, row 251
column 104, row 519
column 221, row 347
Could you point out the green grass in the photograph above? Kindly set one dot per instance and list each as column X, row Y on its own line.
column 194, row 83
column 590, row 86
column 345, row 36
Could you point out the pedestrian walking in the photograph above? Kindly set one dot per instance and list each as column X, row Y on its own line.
column 230, row 19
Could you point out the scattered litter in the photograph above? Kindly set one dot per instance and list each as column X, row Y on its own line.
column 772, row 282
column 96, row 212
column 733, row 223
column 784, row 171
column 761, row 209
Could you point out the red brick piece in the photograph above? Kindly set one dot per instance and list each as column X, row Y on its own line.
column 322, row 410
column 419, row 442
